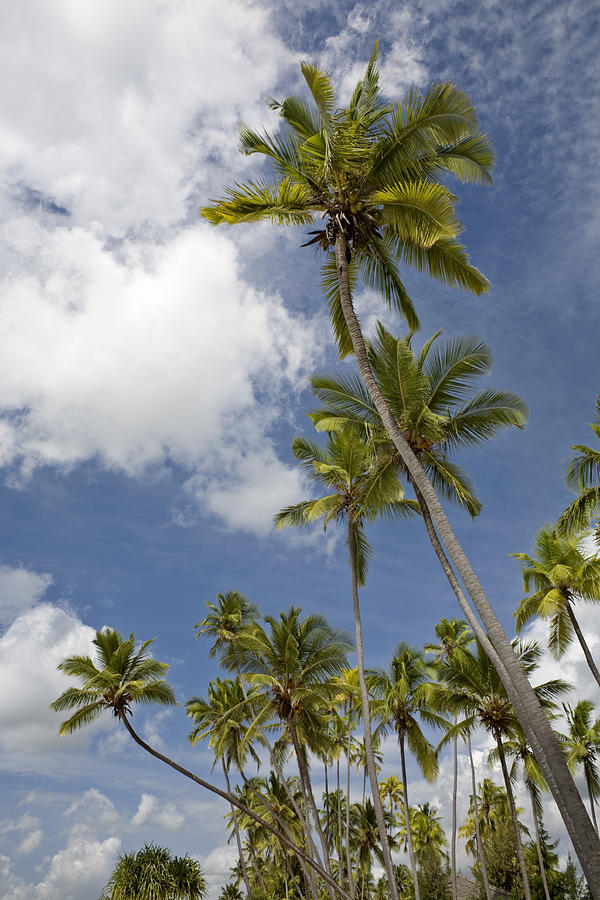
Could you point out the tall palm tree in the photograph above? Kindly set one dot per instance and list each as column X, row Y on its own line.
column 226, row 619
column 582, row 744
column 221, row 718
column 369, row 172
column 390, row 789
column 124, row 675
column 583, row 475
column 154, row 872
column 294, row 667
column 477, row 689
column 517, row 747
column 560, row 574
column 452, row 635
column 401, row 700
column 358, row 490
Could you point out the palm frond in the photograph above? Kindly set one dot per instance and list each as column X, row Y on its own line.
column 331, row 288
column 446, row 260
column 322, row 92
column 484, row 416
column 284, row 202
column 380, row 273
column 298, row 114
column 451, row 482
column 422, row 212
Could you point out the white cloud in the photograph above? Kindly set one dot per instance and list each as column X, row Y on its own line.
column 30, row 650
column 151, row 811
column 125, row 104
column 79, row 870
column 93, row 808
column 216, row 866
column 20, row 589
column 30, row 842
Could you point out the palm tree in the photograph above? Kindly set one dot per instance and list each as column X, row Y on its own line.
column 582, row 744
column 232, row 613
column 123, row 676
column 230, row 892
column 154, row 872
column 221, row 718
column 560, row 573
column 401, row 699
column 358, row 490
column 295, row 668
column 583, row 475
column 369, row 172
column 452, row 635
column 390, row 789
column 517, row 747
column 478, row 690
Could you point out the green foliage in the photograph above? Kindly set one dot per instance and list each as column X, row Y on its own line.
column 583, row 475
column 153, row 873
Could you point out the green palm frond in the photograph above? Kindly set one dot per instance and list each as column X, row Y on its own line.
column 284, row 202
column 322, row 92
column 470, row 159
column 83, row 716
column 580, row 512
column 451, row 482
column 298, row 114
column 482, row 418
column 446, row 261
column 452, row 367
column 419, row 212
column 380, row 273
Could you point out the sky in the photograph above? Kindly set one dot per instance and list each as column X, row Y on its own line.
column 154, row 371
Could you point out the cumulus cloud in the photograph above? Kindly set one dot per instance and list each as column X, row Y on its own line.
column 156, row 355
column 126, row 105
column 79, row 870
column 20, row 589
column 30, row 650
column 93, row 808
column 152, row 811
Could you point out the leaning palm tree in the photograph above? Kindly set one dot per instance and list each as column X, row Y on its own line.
column 369, row 173
column 582, row 745
column 153, row 872
column 583, row 475
column 359, row 489
column 560, row 573
column 123, row 676
column 401, row 700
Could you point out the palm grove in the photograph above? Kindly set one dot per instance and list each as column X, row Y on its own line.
column 373, row 177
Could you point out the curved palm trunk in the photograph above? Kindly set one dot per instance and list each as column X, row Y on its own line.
column 478, row 841
column 592, row 804
column 235, row 802
column 411, row 854
column 327, row 824
column 513, row 815
column 454, row 786
column 582, row 641
column 237, row 835
column 364, row 696
column 533, row 720
column 538, row 845
column 339, row 817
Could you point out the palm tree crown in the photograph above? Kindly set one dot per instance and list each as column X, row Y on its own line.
column 122, row 676
column 370, row 172
column 431, row 394
column 583, row 475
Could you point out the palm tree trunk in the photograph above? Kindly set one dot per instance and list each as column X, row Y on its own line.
column 532, row 717
column 306, row 784
column 513, row 815
column 351, row 886
column 479, row 842
column 366, row 715
column 586, row 650
column 339, row 816
column 454, row 786
column 237, row 834
column 538, row 844
column 592, row 804
column 327, row 827
column 411, row 854
column 235, row 802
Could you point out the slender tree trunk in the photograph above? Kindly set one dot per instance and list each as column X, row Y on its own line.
column 513, row 815
column 237, row 834
column 351, row 884
column 305, row 782
column 339, row 817
column 257, row 867
column 538, row 844
column 478, row 841
column 366, row 716
column 586, row 650
column 592, row 804
column 411, row 854
column 235, row 802
column 454, row 786
column 327, row 828
column 532, row 717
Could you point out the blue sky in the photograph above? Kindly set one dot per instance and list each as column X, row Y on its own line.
column 153, row 369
